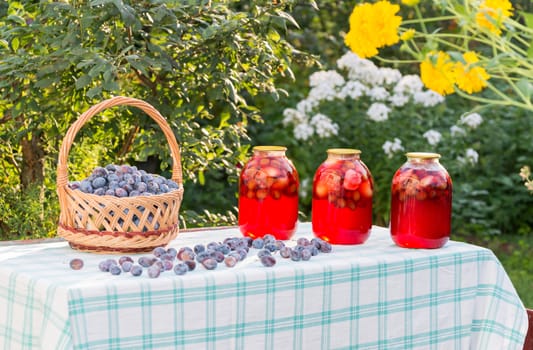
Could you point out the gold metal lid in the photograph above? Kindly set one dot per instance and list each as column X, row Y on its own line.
column 422, row 155
column 344, row 151
column 269, row 148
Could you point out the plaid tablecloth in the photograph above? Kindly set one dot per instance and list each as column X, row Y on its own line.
column 370, row 296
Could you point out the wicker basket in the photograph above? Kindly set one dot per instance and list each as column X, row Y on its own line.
column 106, row 224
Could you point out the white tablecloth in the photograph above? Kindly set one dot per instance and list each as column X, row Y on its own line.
column 370, row 296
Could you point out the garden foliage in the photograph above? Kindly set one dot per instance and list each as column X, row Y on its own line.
column 483, row 151
column 215, row 69
column 385, row 114
column 199, row 62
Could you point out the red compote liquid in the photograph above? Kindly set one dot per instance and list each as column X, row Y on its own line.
column 268, row 194
column 342, row 198
column 421, row 204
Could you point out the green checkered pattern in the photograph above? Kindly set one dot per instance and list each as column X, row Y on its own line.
column 369, row 296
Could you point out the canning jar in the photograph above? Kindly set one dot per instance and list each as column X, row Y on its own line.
column 421, row 202
column 268, row 194
column 341, row 211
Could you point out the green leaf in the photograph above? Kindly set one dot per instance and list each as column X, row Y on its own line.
column 210, row 31
column 429, row 46
column 93, row 92
column 97, row 69
column 232, row 90
column 55, row 68
column 44, row 83
column 100, row 2
column 314, row 5
column 126, row 12
column 497, row 60
column 224, row 120
column 4, row 6
column 15, row 44
column 460, row 9
column 457, row 57
column 525, row 87
column 274, row 35
column 136, row 64
column 109, row 75
column 201, row 177
column 17, row 19
column 111, row 86
column 83, row 81
column 288, row 18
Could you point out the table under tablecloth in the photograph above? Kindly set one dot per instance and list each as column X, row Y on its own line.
column 370, row 296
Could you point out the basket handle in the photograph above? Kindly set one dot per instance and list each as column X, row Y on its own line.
column 62, row 170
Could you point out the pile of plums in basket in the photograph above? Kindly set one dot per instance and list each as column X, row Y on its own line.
column 123, row 181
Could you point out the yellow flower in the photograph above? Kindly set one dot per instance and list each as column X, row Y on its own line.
column 470, row 77
column 410, row 2
column 437, row 72
column 492, row 13
column 373, row 26
column 408, row 34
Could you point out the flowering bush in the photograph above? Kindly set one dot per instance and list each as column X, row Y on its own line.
column 471, row 46
column 382, row 112
column 480, row 46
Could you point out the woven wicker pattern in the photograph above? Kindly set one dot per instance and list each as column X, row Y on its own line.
column 109, row 224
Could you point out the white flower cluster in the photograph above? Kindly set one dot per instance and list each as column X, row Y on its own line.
column 366, row 71
column 433, row 137
column 385, row 88
column 428, row 98
column 353, row 89
column 456, row 131
column 305, row 127
column 471, row 157
column 472, row 120
column 324, row 127
column 378, row 112
column 330, row 77
column 408, row 85
column 391, row 147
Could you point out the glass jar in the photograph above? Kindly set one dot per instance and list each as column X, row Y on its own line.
column 421, row 202
column 268, row 194
column 342, row 198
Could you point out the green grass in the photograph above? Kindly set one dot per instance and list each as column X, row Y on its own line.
column 516, row 255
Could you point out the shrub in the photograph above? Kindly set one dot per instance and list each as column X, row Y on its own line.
column 386, row 114
column 199, row 62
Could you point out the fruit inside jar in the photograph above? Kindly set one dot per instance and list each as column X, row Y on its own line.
column 268, row 194
column 342, row 198
column 421, row 203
